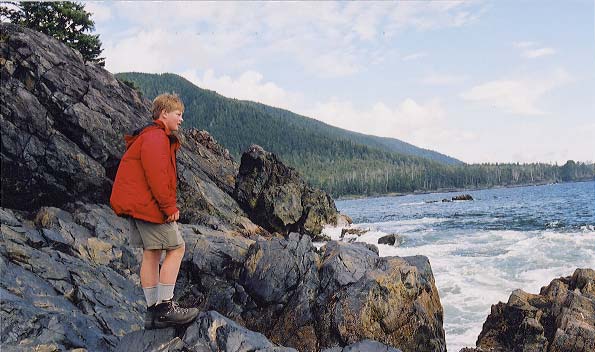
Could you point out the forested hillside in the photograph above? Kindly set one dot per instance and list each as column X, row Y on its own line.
column 280, row 131
column 340, row 161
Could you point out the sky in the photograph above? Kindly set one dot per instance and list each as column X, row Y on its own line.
column 481, row 81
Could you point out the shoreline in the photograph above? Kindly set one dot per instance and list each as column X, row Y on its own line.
column 450, row 190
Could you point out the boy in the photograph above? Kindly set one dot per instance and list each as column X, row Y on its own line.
column 145, row 191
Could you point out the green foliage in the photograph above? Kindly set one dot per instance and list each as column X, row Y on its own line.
column 64, row 20
column 339, row 161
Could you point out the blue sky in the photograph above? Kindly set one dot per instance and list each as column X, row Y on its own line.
column 482, row 81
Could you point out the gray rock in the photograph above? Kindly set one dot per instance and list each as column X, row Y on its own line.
column 61, row 298
column 561, row 318
column 369, row 297
column 391, row 240
column 277, row 198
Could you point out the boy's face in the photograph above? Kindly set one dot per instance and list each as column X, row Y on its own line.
column 172, row 119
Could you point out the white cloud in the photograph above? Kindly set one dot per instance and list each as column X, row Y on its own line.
column 327, row 39
column 101, row 13
column 414, row 56
column 516, row 96
column 532, row 50
column 531, row 54
column 422, row 124
column 250, row 85
column 433, row 14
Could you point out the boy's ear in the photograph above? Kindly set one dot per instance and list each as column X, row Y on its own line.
column 163, row 111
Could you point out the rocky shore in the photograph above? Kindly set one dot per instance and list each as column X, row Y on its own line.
column 69, row 279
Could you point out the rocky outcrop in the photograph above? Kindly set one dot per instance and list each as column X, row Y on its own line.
column 63, row 123
column 277, row 199
column 212, row 332
column 67, row 280
column 299, row 298
column 75, row 273
column 561, row 318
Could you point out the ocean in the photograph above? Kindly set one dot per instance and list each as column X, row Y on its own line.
column 482, row 250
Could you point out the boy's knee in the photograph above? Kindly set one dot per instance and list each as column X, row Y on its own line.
column 179, row 250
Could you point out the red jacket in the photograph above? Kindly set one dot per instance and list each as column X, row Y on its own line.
column 145, row 184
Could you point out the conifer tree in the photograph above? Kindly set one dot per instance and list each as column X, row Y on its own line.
column 64, row 20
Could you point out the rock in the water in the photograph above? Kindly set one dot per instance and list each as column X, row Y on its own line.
column 561, row 318
column 353, row 231
column 391, row 240
column 277, row 198
column 463, row 197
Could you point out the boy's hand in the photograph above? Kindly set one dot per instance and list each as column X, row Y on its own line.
column 173, row 217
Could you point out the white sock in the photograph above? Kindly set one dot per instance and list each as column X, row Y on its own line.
column 151, row 295
column 166, row 292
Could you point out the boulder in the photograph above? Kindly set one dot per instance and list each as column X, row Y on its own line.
column 561, row 318
column 277, row 199
column 463, row 197
column 391, row 300
column 391, row 240
column 63, row 125
column 209, row 332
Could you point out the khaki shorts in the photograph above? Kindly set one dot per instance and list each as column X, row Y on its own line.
column 148, row 235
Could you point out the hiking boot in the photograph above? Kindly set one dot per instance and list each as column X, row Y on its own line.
column 149, row 317
column 168, row 313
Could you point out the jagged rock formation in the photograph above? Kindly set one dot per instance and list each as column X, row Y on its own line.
column 69, row 278
column 561, row 318
column 277, row 198
column 303, row 299
column 63, row 123
column 75, row 273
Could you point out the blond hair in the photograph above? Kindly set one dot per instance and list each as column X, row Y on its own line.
column 168, row 102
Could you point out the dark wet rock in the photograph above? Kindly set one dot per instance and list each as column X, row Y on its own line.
column 277, row 198
column 561, row 318
column 391, row 240
column 446, row 200
column 462, row 197
column 63, row 123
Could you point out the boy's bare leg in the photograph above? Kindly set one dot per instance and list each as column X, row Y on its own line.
column 169, row 273
column 149, row 268
column 171, row 266
column 149, row 275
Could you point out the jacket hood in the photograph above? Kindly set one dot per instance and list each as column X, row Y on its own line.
column 156, row 124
